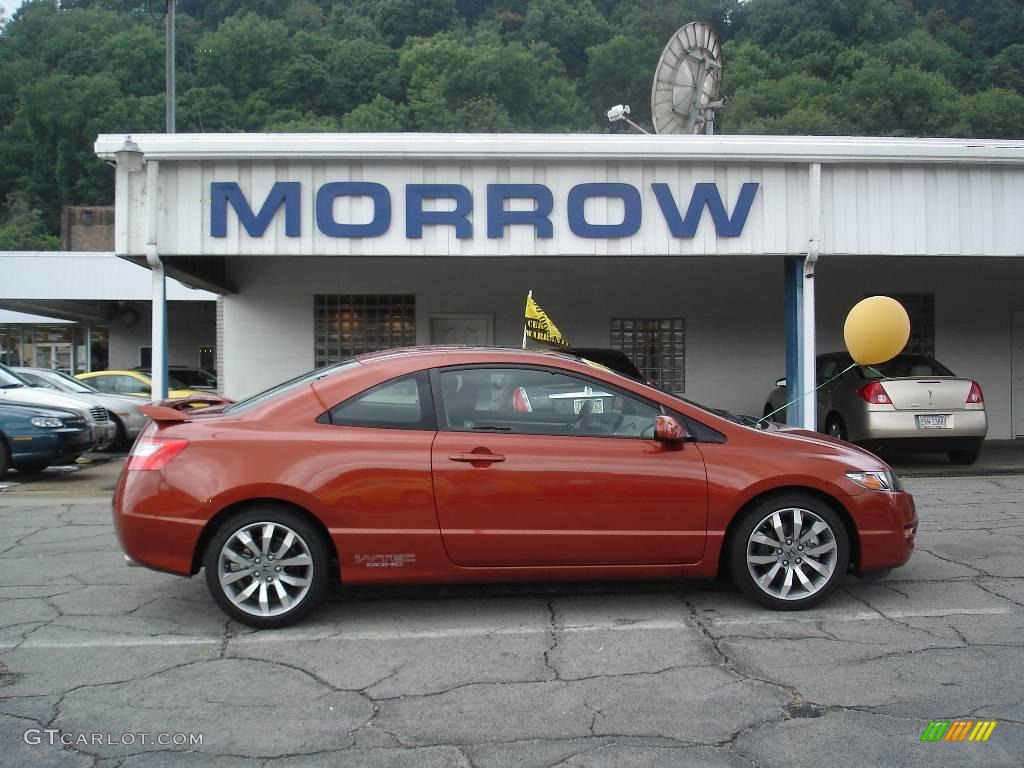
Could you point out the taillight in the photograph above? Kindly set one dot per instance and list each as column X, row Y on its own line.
column 975, row 396
column 151, row 453
column 873, row 392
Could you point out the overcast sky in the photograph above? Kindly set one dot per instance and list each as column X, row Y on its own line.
column 9, row 6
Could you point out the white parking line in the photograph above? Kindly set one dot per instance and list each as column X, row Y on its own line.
column 289, row 636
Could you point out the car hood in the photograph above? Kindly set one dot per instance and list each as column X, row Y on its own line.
column 820, row 443
column 45, row 397
column 28, row 410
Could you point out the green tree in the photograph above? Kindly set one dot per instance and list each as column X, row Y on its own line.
column 571, row 26
column 243, row 54
column 22, row 227
column 621, row 71
column 381, row 115
column 997, row 113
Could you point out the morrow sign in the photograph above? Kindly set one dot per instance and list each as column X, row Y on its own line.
column 682, row 222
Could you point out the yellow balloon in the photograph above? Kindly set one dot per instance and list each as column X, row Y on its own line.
column 876, row 330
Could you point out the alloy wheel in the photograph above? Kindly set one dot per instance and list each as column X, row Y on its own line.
column 791, row 554
column 265, row 568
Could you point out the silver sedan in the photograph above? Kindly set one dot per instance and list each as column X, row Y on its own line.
column 124, row 410
column 912, row 401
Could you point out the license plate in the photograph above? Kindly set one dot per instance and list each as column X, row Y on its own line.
column 931, row 422
column 596, row 407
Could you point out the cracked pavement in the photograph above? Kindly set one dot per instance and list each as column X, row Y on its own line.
column 581, row 675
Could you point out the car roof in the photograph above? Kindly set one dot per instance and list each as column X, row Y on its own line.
column 468, row 354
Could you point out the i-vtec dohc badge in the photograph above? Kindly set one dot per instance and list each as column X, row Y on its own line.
column 385, row 561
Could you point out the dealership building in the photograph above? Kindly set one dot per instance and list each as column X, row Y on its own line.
column 719, row 263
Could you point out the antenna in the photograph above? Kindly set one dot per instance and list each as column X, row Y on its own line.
column 688, row 82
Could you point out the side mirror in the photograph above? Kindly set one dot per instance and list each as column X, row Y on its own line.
column 780, row 382
column 668, row 430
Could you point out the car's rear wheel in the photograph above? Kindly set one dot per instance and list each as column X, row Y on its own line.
column 965, row 456
column 789, row 552
column 267, row 566
column 835, row 427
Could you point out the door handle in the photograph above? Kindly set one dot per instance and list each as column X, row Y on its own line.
column 476, row 457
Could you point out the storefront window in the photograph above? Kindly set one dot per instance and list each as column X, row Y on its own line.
column 69, row 348
column 349, row 325
column 921, row 309
column 657, row 347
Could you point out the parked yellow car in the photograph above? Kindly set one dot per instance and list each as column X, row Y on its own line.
column 135, row 383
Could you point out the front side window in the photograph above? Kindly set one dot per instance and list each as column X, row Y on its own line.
column 538, row 401
column 402, row 403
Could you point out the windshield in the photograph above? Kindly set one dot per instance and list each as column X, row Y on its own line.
column 905, row 366
column 69, row 383
column 288, row 386
column 9, row 379
column 38, row 381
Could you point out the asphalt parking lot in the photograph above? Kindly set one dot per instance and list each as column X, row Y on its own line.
column 112, row 659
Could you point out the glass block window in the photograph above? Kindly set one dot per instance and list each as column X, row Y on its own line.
column 656, row 347
column 921, row 308
column 350, row 325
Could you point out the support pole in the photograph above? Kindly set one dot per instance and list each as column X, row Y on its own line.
column 793, row 270
column 159, row 289
column 808, row 344
column 169, row 93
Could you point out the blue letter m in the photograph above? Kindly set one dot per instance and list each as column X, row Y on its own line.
column 284, row 193
column 705, row 194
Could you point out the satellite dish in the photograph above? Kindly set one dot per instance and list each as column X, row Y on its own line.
column 688, row 81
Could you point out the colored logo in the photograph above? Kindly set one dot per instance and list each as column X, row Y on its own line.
column 958, row 730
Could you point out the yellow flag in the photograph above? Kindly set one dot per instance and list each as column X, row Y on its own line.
column 539, row 325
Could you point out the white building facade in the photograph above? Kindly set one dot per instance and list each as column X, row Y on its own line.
column 719, row 263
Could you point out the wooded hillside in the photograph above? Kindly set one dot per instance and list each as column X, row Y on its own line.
column 885, row 67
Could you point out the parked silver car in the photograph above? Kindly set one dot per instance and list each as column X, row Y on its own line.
column 122, row 409
column 15, row 389
column 912, row 401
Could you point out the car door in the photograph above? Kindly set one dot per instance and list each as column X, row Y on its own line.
column 537, row 467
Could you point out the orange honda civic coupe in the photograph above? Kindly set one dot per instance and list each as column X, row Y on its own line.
column 445, row 464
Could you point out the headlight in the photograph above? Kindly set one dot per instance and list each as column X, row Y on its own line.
column 46, row 421
column 877, row 481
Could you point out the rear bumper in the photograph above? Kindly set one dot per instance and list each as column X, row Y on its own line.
column 885, row 426
column 151, row 527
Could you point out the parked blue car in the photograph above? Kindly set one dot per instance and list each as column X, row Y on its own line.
column 32, row 437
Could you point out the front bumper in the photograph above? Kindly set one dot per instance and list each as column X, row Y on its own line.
column 887, row 525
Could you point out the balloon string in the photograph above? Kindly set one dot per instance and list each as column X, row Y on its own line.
column 767, row 416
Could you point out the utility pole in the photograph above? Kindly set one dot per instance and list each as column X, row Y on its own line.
column 169, row 66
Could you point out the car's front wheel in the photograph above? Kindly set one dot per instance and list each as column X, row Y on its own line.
column 267, row 567
column 789, row 552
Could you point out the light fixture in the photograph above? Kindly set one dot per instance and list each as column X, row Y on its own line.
column 130, row 157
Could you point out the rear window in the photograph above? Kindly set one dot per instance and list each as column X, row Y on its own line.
column 903, row 366
column 289, row 386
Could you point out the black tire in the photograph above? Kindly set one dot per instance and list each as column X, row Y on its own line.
column 31, row 467
column 835, row 427
column 759, row 514
column 120, row 437
column 5, row 456
column 310, row 537
column 965, row 456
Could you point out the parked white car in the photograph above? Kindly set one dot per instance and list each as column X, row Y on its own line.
column 14, row 389
column 123, row 410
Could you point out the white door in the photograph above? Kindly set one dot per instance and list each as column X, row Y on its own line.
column 471, row 330
column 1017, row 366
